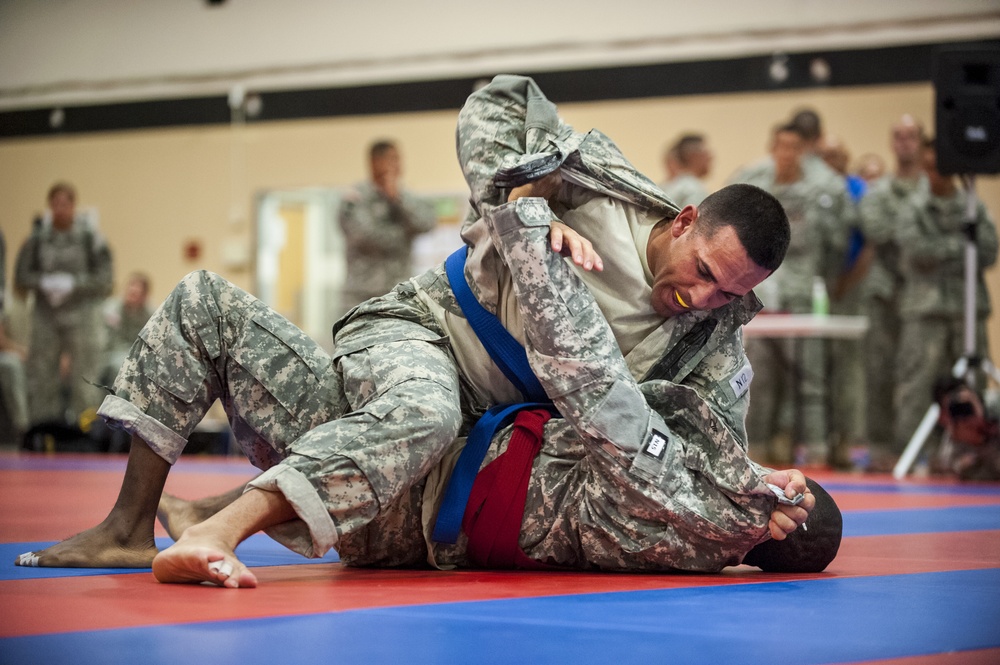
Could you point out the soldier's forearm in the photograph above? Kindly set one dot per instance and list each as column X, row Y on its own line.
column 570, row 344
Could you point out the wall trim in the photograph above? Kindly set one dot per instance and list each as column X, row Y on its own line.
column 847, row 68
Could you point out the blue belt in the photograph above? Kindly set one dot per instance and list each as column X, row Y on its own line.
column 510, row 357
column 506, row 352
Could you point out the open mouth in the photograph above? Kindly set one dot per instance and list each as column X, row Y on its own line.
column 680, row 301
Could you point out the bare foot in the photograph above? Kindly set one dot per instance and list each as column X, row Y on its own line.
column 97, row 547
column 195, row 559
column 176, row 515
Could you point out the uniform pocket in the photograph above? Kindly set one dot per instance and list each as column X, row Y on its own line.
column 650, row 462
column 286, row 362
column 179, row 367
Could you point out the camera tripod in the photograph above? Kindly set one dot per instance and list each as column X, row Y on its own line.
column 966, row 366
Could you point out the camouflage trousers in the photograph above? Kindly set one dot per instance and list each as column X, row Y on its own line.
column 338, row 435
column 848, row 417
column 13, row 394
column 928, row 350
column 72, row 330
column 788, row 398
column 880, row 346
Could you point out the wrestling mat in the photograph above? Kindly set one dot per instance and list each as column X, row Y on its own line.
column 917, row 581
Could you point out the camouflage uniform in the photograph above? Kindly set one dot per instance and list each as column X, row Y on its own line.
column 600, row 496
column 845, row 357
column 510, row 122
column 685, row 189
column 889, row 205
column 13, row 393
column 362, row 439
column 932, row 338
column 790, row 390
column 3, row 271
column 378, row 238
column 353, row 436
column 71, row 326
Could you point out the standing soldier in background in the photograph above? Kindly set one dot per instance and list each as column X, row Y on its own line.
column 3, row 270
column 848, row 426
column 889, row 204
column 870, row 167
column 932, row 299
column 692, row 161
column 13, row 399
column 789, row 390
column 379, row 221
column 67, row 265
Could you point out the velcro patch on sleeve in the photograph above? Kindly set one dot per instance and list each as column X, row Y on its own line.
column 740, row 382
column 657, row 445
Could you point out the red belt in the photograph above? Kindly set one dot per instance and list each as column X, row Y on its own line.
column 493, row 516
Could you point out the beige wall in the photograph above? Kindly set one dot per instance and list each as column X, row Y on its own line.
column 157, row 190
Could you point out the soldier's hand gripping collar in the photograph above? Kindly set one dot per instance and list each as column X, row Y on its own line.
column 805, row 550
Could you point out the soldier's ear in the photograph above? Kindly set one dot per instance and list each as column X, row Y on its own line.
column 684, row 221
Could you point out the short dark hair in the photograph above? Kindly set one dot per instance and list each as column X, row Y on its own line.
column 62, row 187
column 142, row 278
column 379, row 148
column 808, row 549
column 945, row 386
column 757, row 217
column 808, row 124
column 686, row 146
column 788, row 128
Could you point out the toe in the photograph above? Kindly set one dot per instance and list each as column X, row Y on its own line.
column 27, row 559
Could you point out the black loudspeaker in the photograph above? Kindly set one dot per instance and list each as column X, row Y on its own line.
column 967, row 110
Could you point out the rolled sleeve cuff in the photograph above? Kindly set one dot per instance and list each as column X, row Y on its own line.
column 320, row 533
column 162, row 440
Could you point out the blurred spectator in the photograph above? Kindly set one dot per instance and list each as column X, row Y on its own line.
column 688, row 162
column 379, row 221
column 870, row 167
column 3, row 271
column 835, row 154
column 848, row 432
column 670, row 164
column 13, row 396
column 13, row 392
column 931, row 308
column 890, row 204
column 124, row 319
column 971, row 447
column 789, row 389
column 67, row 265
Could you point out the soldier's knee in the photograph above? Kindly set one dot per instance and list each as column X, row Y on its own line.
column 204, row 287
column 202, row 280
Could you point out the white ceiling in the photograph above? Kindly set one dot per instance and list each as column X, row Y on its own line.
column 83, row 51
